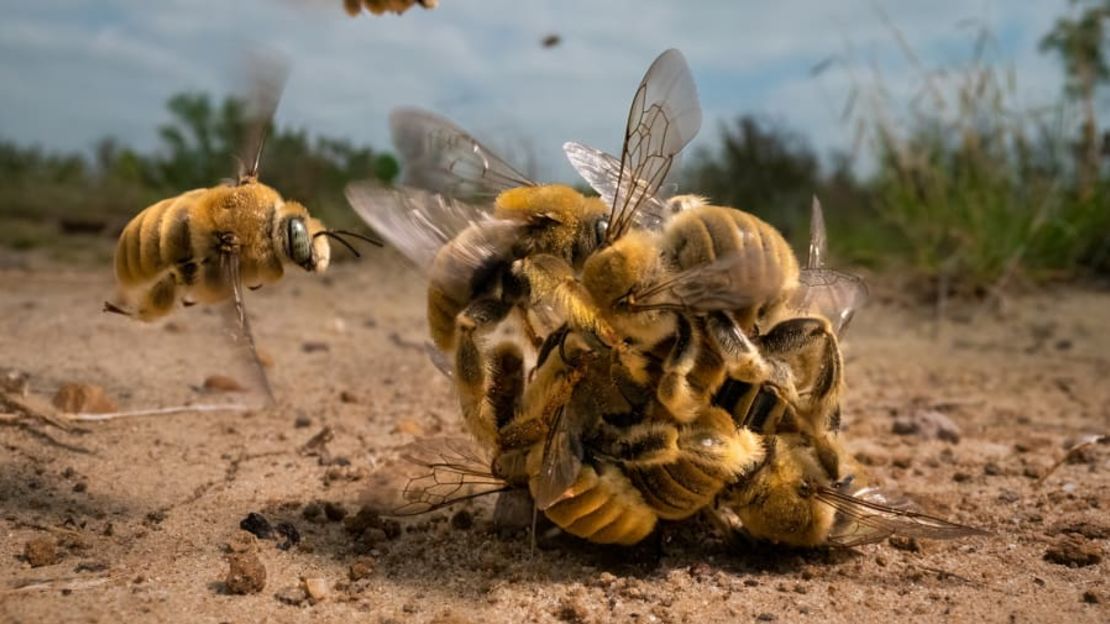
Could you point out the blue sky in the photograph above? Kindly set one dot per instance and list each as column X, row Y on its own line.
column 76, row 70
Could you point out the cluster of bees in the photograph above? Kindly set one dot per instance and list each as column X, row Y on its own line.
column 623, row 359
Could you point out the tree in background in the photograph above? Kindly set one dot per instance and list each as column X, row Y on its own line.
column 1080, row 42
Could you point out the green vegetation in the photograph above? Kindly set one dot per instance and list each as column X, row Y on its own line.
column 45, row 196
column 967, row 189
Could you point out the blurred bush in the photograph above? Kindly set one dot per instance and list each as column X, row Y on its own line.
column 50, row 199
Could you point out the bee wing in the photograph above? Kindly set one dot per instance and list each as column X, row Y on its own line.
column 664, row 116
column 234, row 313
column 442, row 157
column 418, row 223
column 728, row 283
column 562, row 461
column 868, row 516
column 455, row 470
column 835, row 295
column 602, row 171
column 266, row 75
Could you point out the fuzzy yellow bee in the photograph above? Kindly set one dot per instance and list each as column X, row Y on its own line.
column 472, row 216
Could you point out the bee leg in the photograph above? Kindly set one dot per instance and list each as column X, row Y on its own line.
column 550, row 279
column 809, row 348
column 682, row 398
column 115, row 309
column 159, row 299
column 745, row 362
column 471, row 367
column 529, row 330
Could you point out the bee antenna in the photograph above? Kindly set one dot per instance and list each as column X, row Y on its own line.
column 253, row 171
column 336, row 236
column 361, row 237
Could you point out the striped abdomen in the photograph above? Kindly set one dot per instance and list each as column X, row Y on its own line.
column 157, row 239
column 604, row 507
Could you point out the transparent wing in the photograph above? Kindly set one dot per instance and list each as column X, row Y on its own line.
column 728, row 283
column 562, row 461
column 419, row 223
column 602, row 171
column 455, row 470
column 266, row 75
column 439, row 156
column 868, row 516
column 240, row 336
column 664, row 116
column 835, row 295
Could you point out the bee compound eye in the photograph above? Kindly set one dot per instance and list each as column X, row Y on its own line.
column 600, row 229
column 298, row 243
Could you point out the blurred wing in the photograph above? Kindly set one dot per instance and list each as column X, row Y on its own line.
column 455, row 471
column 418, row 223
column 834, row 295
column 728, row 283
column 602, row 172
column 664, row 116
column 818, row 239
column 562, row 461
column 234, row 314
column 266, row 75
column 439, row 156
column 867, row 517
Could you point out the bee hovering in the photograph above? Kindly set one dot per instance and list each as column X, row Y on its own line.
column 202, row 246
column 476, row 216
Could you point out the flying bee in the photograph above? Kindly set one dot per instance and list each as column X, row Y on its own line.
column 470, row 249
column 202, row 246
column 378, row 7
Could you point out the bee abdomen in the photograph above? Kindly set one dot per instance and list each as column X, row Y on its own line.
column 675, row 490
column 606, row 509
column 156, row 239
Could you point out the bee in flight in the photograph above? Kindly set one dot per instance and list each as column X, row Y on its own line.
column 469, row 244
column 378, row 7
column 202, row 246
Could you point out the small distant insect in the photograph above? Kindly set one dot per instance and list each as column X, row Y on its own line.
column 202, row 246
column 378, row 7
column 550, row 41
column 470, row 250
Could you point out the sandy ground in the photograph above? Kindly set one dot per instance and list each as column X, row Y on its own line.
column 141, row 510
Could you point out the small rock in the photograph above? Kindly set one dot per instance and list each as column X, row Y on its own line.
column 15, row 381
column 80, row 486
column 765, row 617
column 264, row 358
column 961, row 477
column 908, row 544
column 222, row 383
column 256, row 524
column 313, row 346
column 246, row 574
column 348, row 397
column 83, row 398
column 292, row 595
column 409, row 426
column 313, row 512
column 91, row 566
column 302, row 421
column 462, row 520
column 1090, row 597
column 361, row 568
column 335, row 512
column 290, row 533
column 317, row 589
column 1009, row 496
column 1074, row 552
column 41, row 551
column 928, row 424
column 992, row 469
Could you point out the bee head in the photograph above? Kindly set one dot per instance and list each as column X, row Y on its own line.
column 300, row 238
column 564, row 221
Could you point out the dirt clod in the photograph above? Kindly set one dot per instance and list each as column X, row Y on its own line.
column 314, row 346
column 222, row 383
column 313, row 512
column 766, row 617
column 256, row 524
column 290, row 533
column 1074, row 552
column 1090, row 597
column 571, row 610
column 349, row 397
column 245, row 574
column 14, row 381
column 292, row 595
column 334, row 512
column 41, row 551
column 928, row 424
column 361, row 568
column 1089, row 530
column 241, row 542
column 75, row 398
column 462, row 520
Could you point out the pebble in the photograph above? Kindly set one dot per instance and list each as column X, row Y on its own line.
column 41, row 551
column 246, row 574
